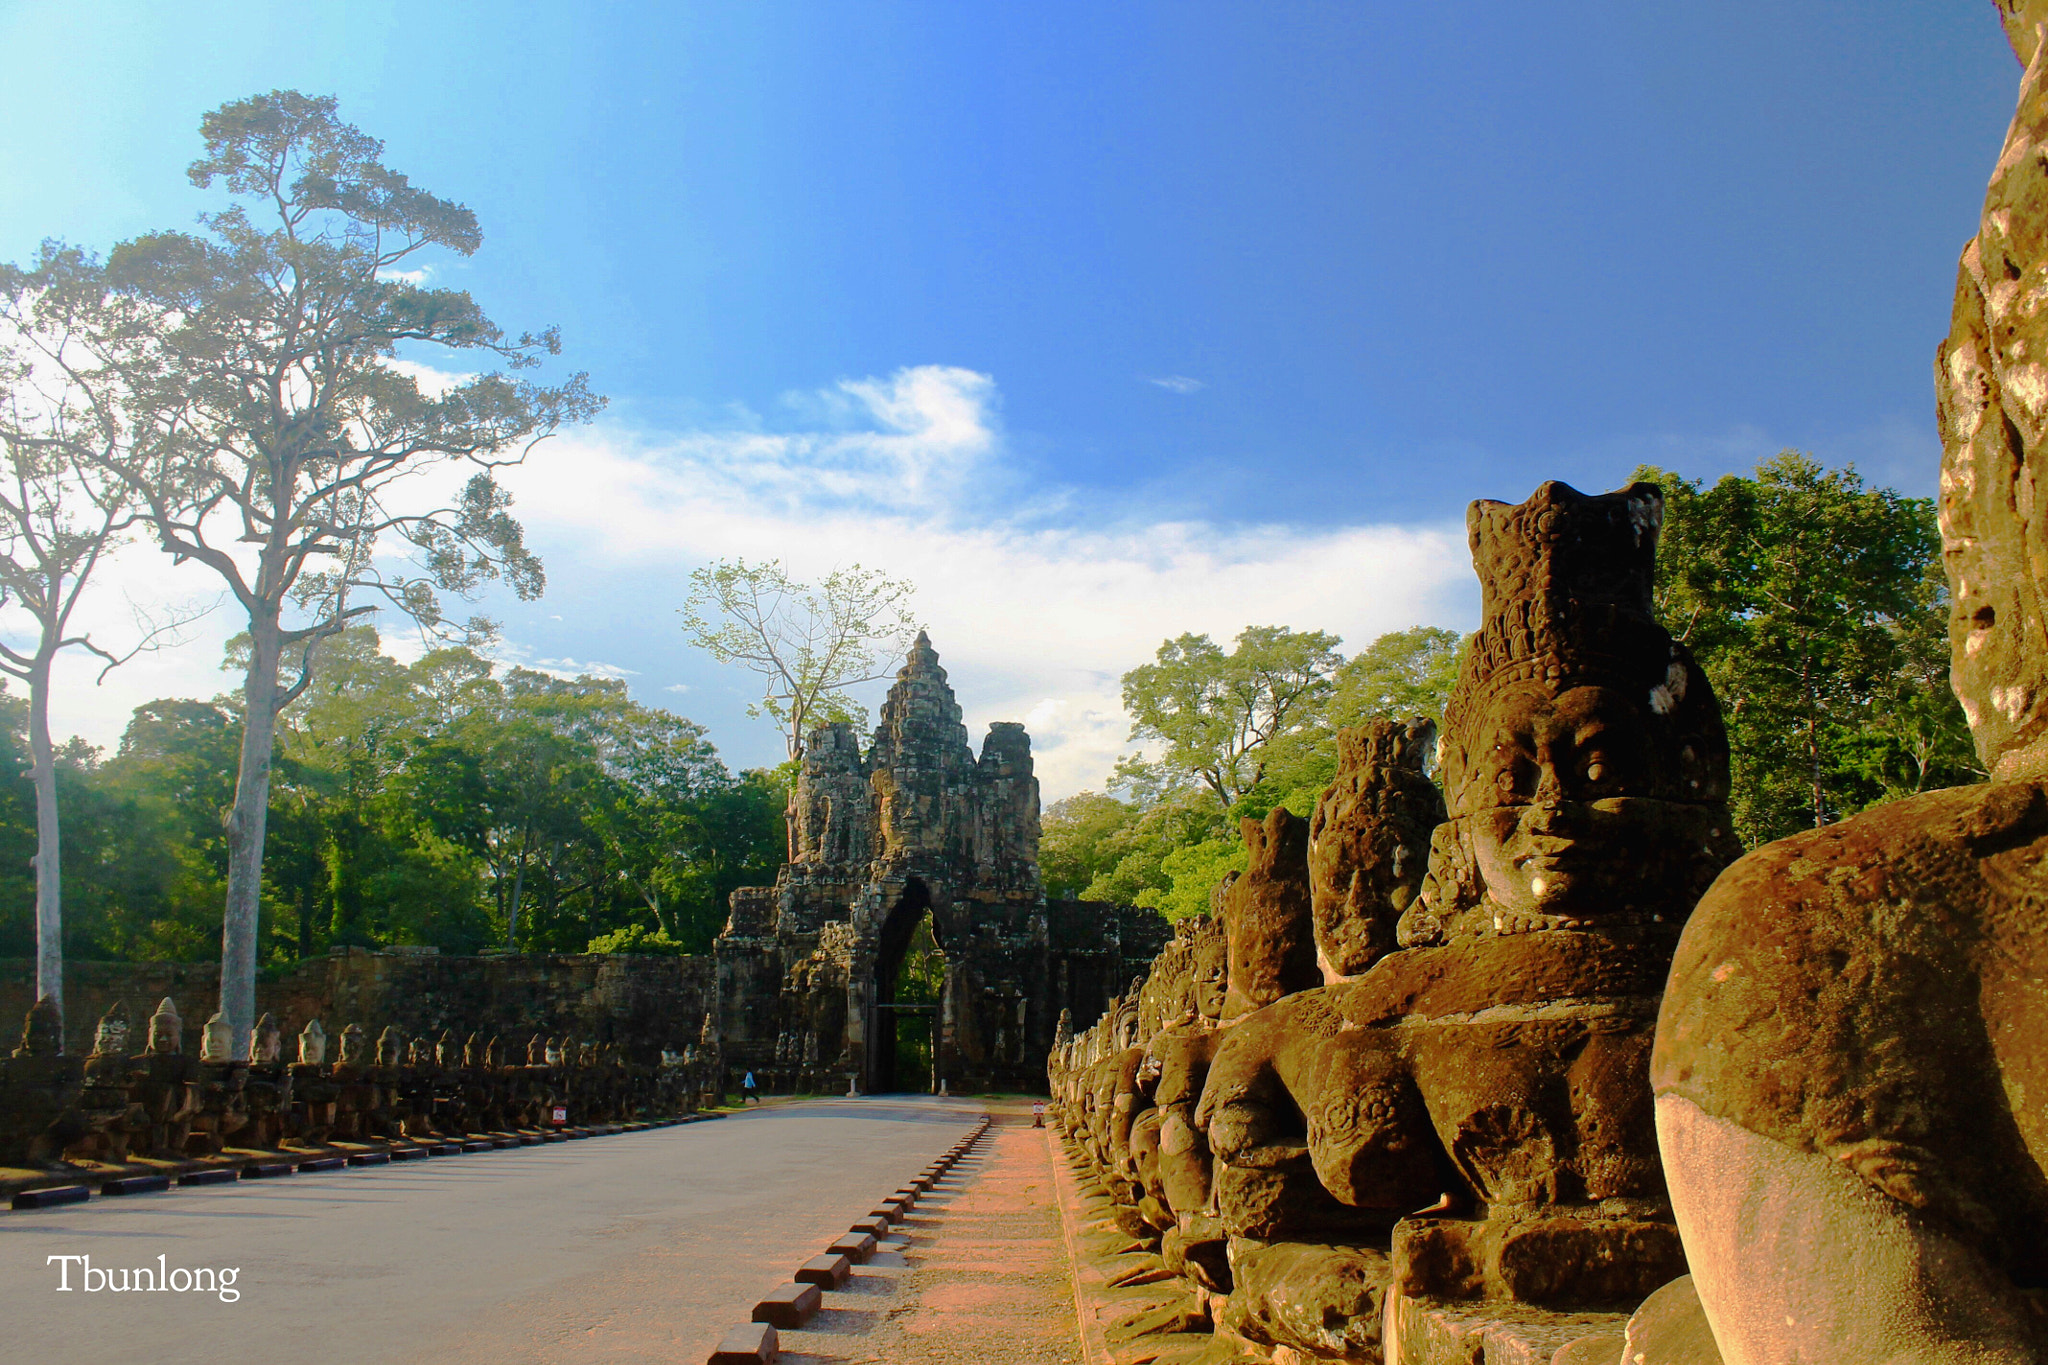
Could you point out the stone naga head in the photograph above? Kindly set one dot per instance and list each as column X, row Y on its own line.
column 536, row 1051
column 355, row 1046
column 42, row 1031
column 110, row 1038
column 1208, row 967
column 1585, row 766
column 312, row 1044
column 1991, row 395
column 447, row 1052
column 166, row 1030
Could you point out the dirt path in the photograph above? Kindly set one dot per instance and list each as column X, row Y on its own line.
column 983, row 1276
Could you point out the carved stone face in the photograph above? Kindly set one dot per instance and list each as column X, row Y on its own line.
column 110, row 1039
column 1211, row 975
column 313, row 1045
column 166, row 1033
column 267, row 1045
column 355, row 1045
column 1558, row 840
column 42, row 1033
column 390, row 1047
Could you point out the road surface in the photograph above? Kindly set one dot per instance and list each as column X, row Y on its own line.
column 632, row 1247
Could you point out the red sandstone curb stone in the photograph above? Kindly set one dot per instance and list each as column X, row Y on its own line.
column 789, row 1305
column 753, row 1344
column 51, row 1196
column 857, row 1247
column 214, row 1177
column 826, row 1272
column 136, row 1184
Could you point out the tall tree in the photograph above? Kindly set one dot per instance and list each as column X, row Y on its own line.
column 1815, row 605
column 282, row 438
column 1219, row 716
column 1401, row 674
column 809, row 644
column 63, row 507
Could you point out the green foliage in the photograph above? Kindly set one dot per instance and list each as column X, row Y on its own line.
column 1223, row 718
column 410, row 804
column 637, row 938
column 1402, row 674
column 809, row 644
column 1818, row 609
column 1192, row 872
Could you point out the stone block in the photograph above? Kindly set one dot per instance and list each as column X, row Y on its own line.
column 855, row 1246
column 1490, row 1331
column 53, row 1196
column 789, row 1305
column 827, row 1272
column 446, row 1149
column 325, row 1163
column 267, row 1170
column 873, row 1226
column 409, row 1153
column 1603, row 1348
column 369, row 1158
column 217, row 1176
column 136, row 1184
column 478, row 1146
column 753, row 1344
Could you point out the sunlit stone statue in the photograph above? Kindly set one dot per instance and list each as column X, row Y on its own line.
column 1851, row 1072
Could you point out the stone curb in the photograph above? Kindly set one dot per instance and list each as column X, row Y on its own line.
column 791, row 1305
column 28, row 1195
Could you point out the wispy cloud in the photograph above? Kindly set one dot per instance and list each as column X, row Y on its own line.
column 1036, row 612
column 583, row 668
column 1177, row 383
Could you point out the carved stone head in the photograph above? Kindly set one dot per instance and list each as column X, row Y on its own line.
column 554, row 1052
column 110, row 1038
column 1369, row 841
column 536, row 1051
column 313, row 1044
column 447, row 1052
column 355, row 1046
column 1993, row 414
column 419, row 1052
column 1585, row 766
column 708, row 1035
column 390, row 1046
column 42, row 1031
column 494, row 1054
column 216, row 1040
column 166, row 1030
column 266, row 1041
column 1168, row 994
column 1268, row 916
column 1209, row 967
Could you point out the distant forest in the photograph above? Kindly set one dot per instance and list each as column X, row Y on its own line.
column 430, row 803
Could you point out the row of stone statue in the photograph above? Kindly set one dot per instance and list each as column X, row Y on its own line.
column 1517, row 1054
column 166, row 1105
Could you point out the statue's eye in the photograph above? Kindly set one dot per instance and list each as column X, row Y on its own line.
column 1595, row 770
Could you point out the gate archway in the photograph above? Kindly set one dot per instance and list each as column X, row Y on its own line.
column 908, row 992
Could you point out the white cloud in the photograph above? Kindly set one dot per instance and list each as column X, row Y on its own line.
column 1178, row 383
column 1035, row 615
column 1037, row 600
column 433, row 383
column 415, row 278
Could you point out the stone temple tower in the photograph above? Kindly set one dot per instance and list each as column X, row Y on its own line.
column 917, row 824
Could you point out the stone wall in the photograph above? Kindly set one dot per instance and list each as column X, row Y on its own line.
column 642, row 1004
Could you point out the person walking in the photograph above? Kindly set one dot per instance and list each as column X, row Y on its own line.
column 748, row 1091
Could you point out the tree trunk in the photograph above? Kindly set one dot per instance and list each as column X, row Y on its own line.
column 245, row 836
column 49, row 870
column 518, row 890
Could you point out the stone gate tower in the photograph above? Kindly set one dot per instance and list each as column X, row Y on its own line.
column 918, row 823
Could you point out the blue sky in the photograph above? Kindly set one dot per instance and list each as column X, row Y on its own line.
column 1101, row 321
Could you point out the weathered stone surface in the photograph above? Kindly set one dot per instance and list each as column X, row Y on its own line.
column 1327, row 1300
column 1849, row 1068
column 644, row 1004
column 1671, row 1328
column 1268, row 917
column 918, row 823
column 1369, row 841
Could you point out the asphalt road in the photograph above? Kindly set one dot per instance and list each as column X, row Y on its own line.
column 637, row 1246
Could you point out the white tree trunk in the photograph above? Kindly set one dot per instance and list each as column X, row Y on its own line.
column 49, row 870
column 245, row 837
